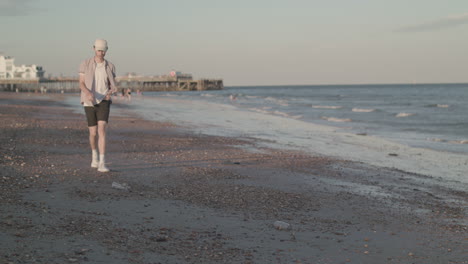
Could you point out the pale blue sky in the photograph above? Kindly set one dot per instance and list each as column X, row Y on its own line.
column 247, row 42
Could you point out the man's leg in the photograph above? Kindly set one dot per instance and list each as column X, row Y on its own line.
column 92, row 126
column 92, row 137
column 102, row 129
column 92, row 143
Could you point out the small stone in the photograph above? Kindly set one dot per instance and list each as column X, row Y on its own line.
column 280, row 225
column 159, row 238
column 119, row 186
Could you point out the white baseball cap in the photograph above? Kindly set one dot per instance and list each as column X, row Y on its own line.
column 100, row 44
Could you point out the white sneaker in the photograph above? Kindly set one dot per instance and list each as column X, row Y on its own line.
column 94, row 164
column 102, row 167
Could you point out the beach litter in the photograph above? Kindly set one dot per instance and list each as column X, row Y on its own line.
column 119, row 186
column 280, row 225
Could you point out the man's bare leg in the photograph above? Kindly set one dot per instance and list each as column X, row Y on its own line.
column 101, row 130
column 92, row 143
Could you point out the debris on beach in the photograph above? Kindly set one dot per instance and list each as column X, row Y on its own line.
column 280, row 225
column 119, row 186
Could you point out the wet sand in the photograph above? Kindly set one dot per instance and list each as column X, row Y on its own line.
column 204, row 199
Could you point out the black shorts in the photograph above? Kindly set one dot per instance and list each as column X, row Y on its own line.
column 99, row 112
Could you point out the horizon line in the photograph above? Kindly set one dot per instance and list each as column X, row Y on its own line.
column 349, row 84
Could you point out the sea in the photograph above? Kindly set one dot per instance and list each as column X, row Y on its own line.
column 432, row 116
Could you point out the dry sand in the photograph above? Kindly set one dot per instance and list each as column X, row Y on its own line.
column 205, row 199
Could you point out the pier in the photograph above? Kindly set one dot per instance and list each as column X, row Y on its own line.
column 180, row 82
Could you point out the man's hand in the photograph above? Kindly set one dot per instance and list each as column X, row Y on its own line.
column 109, row 93
column 113, row 91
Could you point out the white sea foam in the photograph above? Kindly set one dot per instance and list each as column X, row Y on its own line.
column 170, row 95
column 263, row 110
column 437, row 139
column 403, row 114
column 459, row 141
column 207, row 95
column 438, row 105
column 334, row 119
column 258, row 110
column 281, row 113
column 277, row 101
column 326, row 107
column 362, row 110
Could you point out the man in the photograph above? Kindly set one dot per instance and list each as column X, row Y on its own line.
column 97, row 83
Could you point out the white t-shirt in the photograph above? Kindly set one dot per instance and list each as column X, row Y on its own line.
column 100, row 84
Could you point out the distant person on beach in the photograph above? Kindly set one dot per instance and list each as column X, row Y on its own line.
column 97, row 84
column 128, row 94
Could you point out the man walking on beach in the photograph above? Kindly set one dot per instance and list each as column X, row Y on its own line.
column 97, row 83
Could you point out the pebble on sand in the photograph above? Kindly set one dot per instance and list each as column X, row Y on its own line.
column 280, row 225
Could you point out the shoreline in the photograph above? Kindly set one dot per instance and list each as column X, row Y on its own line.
column 197, row 198
column 315, row 139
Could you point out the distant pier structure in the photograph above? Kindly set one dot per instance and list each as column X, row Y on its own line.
column 175, row 81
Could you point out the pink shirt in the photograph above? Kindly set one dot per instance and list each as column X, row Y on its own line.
column 88, row 67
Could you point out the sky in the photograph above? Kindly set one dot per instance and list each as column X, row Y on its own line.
column 247, row 42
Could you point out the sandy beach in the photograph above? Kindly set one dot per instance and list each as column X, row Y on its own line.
column 176, row 196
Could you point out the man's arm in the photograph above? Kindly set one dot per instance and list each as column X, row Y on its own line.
column 112, row 88
column 89, row 96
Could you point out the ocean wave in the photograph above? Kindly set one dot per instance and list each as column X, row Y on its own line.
column 334, row 119
column 262, row 111
column 464, row 141
column 170, row 95
column 281, row 102
column 278, row 113
column 437, row 139
column 404, row 114
column 326, row 107
column 439, row 105
column 362, row 110
column 281, row 113
column 443, row 105
column 207, row 95
column 287, row 115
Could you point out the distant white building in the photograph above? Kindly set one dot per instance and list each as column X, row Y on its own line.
column 8, row 70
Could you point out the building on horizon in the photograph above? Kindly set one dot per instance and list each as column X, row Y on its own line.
column 8, row 70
